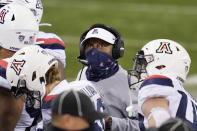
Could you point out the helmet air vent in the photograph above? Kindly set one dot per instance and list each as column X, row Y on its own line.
column 34, row 76
column 13, row 18
column 177, row 48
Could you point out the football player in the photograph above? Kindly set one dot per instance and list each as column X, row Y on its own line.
column 15, row 33
column 18, row 28
column 165, row 65
column 25, row 73
column 48, row 41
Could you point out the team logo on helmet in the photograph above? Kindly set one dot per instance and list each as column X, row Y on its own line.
column 2, row 15
column 95, row 31
column 17, row 66
column 164, row 48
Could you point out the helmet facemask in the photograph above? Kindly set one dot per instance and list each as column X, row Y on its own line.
column 33, row 98
column 139, row 67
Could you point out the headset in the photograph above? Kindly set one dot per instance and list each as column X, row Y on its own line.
column 118, row 46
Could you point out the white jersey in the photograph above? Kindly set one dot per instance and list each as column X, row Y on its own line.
column 53, row 44
column 181, row 103
column 84, row 87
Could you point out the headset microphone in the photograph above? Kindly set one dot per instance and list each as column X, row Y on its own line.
column 83, row 61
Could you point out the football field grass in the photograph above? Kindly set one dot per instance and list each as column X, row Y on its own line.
column 139, row 21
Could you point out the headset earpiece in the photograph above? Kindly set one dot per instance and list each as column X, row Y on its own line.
column 118, row 47
column 82, row 47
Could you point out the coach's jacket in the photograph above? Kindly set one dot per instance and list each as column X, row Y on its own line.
column 116, row 97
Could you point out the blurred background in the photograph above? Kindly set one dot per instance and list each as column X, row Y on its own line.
column 139, row 21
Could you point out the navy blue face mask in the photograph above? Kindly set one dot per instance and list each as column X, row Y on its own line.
column 100, row 65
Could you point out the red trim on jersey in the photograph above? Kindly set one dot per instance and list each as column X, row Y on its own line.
column 48, row 98
column 156, row 76
column 51, row 41
column 3, row 64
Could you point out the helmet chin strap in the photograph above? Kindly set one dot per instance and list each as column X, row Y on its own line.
column 44, row 90
column 33, row 98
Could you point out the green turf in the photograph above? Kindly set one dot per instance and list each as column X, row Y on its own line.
column 139, row 21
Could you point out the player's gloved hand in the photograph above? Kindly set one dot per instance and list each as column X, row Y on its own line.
column 132, row 111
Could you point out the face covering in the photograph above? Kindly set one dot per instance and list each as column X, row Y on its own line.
column 100, row 65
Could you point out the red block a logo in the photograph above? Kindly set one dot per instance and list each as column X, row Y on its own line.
column 164, row 48
column 2, row 15
column 17, row 66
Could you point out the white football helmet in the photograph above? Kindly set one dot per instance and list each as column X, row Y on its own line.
column 34, row 5
column 18, row 27
column 164, row 56
column 31, row 64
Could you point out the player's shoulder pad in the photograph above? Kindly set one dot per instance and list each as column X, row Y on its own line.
column 47, row 101
column 50, row 41
column 157, row 80
column 3, row 67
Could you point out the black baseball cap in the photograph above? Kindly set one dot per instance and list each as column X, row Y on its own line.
column 76, row 103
